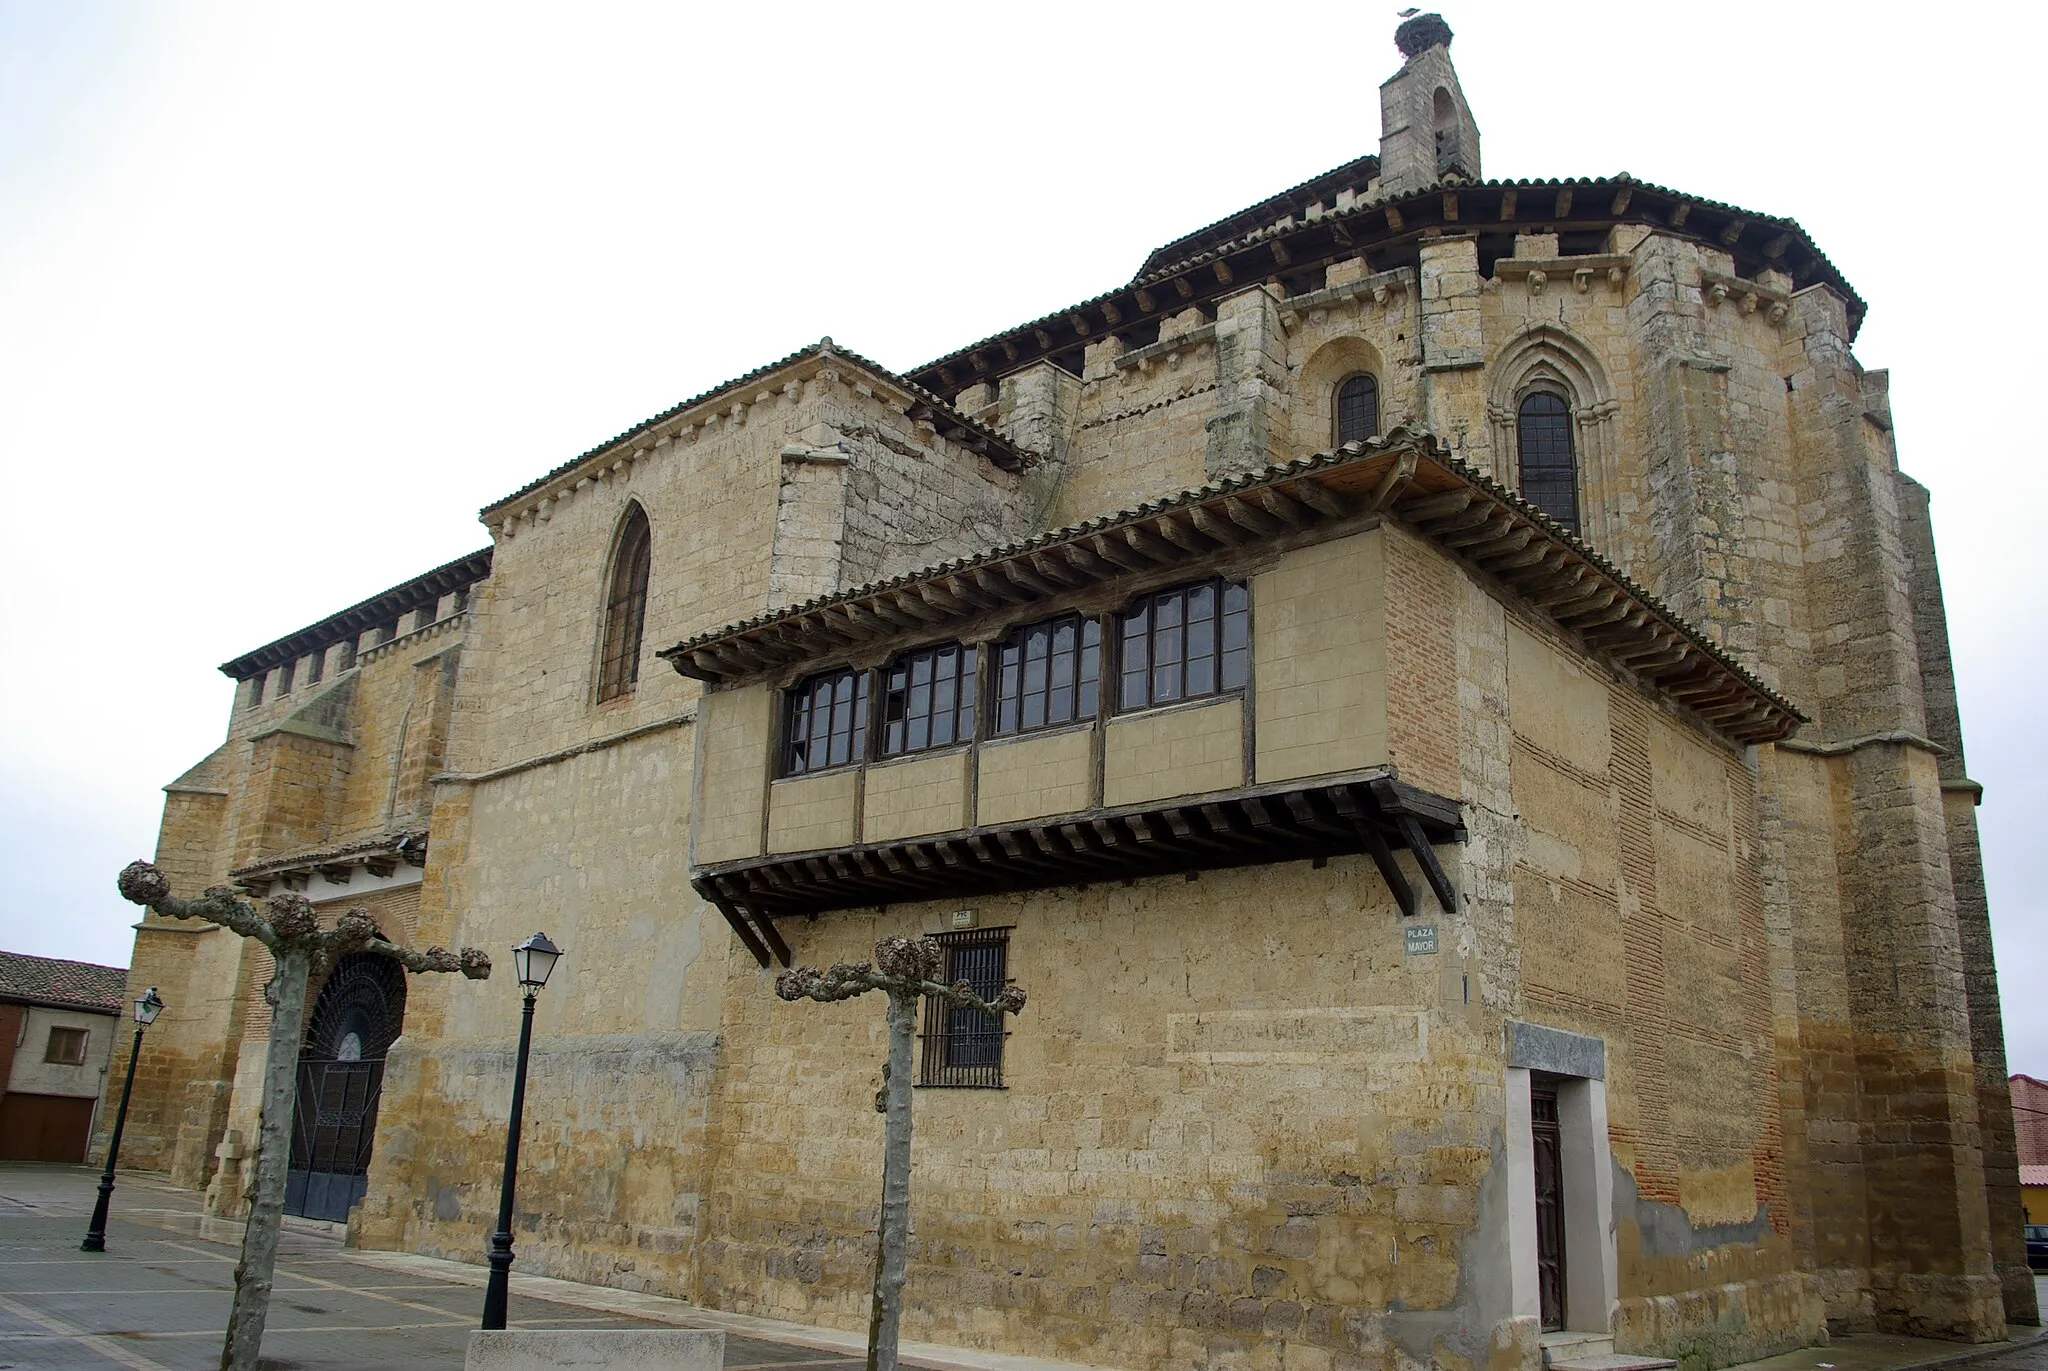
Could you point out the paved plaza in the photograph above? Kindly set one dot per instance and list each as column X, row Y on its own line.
column 157, row 1300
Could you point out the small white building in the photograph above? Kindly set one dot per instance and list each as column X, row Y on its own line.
column 58, row 1022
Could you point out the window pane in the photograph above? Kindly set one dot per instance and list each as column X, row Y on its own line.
column 1358, row 409
column 1091, row 669
column 1137, row 659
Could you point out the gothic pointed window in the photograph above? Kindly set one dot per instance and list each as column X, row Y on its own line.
column 625, row 609
column 1549, row 467
column 1358, row 409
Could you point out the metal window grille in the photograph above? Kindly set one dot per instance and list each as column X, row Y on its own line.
column 625, row 611
column 964, row 1047
column 1185, row 643
column 1048, row 674
column 1358, row 410
column 928, row 699
column 827, row 722
column 1550, row 471
column 66, row 1046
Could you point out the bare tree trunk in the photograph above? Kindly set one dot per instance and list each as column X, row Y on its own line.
column 253, row 1274
column 895, row 1225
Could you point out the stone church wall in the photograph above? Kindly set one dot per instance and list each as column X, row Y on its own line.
column 1239, row 1121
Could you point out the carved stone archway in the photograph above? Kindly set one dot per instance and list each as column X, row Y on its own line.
column 1546, row 356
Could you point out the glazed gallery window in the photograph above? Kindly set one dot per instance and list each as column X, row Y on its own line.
column 928, row 699
column 625, row 609
column 1184, row 643
column 1048, row 674
column 825, row 722
column 1543, row 444
column 964, row 1047
column 1358, row 409
column 67, row 1046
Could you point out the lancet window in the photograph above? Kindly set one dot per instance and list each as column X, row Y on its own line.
column 1549, row 466
column 625, row 612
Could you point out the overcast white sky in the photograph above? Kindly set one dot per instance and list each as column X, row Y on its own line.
column 287, row 292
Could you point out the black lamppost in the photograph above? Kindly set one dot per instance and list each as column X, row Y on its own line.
column 533, row 959
column 146, row 1009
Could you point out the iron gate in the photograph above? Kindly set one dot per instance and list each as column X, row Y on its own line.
column 341, row 1078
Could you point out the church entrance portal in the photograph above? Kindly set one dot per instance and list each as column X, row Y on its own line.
column 359, row 1014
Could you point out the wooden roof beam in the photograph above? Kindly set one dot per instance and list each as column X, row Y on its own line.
column 1182, row 536
column 998, row 587
column 1248, row 516
column 1056, row 570
column 1394, row 482
column 1285, row 507
column 1321, row 498
column 1149, row 547
column 1086, row 562
column 1214, row 526
column 1119, row 553
column 1428, row 507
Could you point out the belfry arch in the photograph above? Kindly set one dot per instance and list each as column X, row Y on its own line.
column 1546, row 356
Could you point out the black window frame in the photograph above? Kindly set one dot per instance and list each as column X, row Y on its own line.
column 1164, row 674
column 963, row 1049
column 1060, row 704
column 1337, row 404
column 1544, row 420
column 799, row 704
column 952, row 671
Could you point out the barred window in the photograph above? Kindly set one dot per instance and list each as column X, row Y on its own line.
column 1549, row 470
column 965, row 1046
column 1184, row 643
column 625, row 608
column 1358, row 409
column 928, row 699
column 827, row 722
column 67, row 1046
column 1048, row 674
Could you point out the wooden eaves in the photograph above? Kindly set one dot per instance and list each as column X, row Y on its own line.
column 1371, row 812
column 1405, row 474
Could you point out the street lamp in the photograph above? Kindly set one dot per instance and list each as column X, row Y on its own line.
column 533, row 960
column 147, row 1008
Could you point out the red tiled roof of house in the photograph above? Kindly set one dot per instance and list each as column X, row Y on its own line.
column 53, row 981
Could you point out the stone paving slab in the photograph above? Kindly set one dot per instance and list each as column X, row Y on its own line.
column 157, row 1299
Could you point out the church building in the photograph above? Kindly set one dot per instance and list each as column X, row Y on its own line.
column 1437, row 689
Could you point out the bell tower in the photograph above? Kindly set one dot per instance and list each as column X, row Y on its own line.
column 1426, row 128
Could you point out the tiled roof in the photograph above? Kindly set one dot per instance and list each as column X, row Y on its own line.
column 1365, row 225
column 424, row 589
column 1273, row 207
column 70, row 985
column 2033, row 1175
column 1010, row 454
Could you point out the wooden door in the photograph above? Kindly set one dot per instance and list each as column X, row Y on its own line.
column 1549, row 1204
column 44, row 1128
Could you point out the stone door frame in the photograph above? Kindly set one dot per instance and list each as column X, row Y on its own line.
column 1577, row 1065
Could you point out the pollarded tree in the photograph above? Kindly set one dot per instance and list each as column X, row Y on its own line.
column 301, row 950
column 907, row 969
